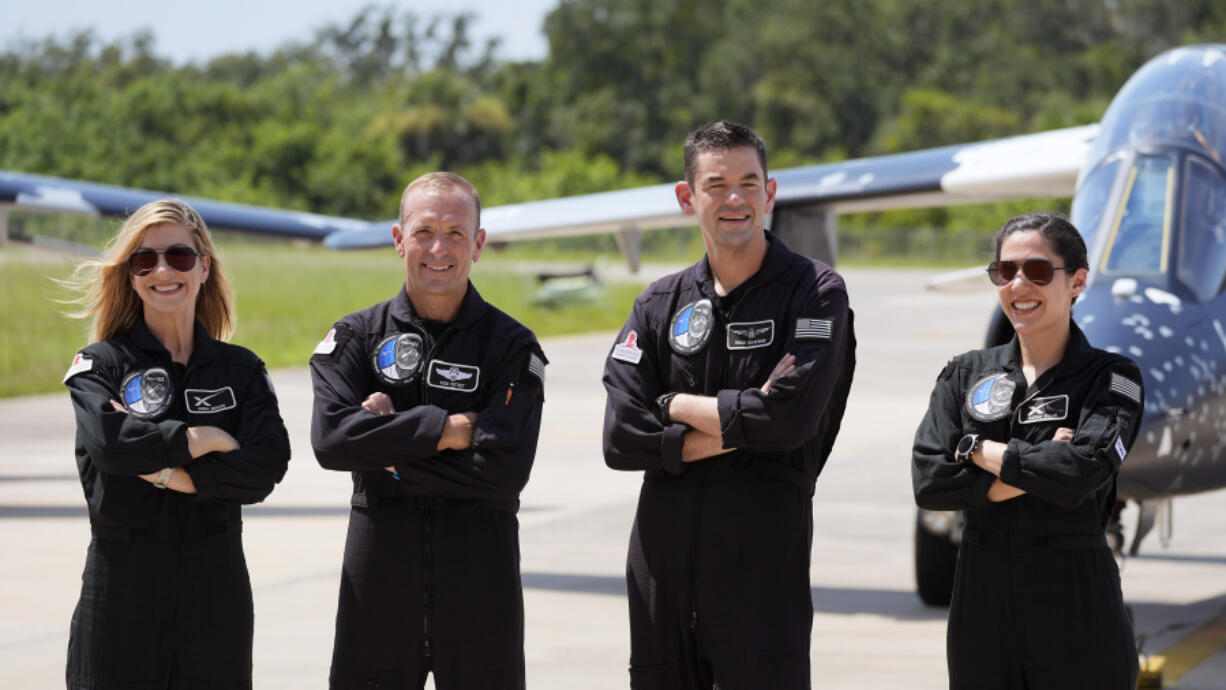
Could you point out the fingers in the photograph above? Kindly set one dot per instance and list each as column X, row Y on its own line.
column 118, row 407
column 1063, row 434
column 378, row 403
column 785, row 366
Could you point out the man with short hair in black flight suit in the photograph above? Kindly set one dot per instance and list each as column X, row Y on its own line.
column 432, row 400
column 726, row 387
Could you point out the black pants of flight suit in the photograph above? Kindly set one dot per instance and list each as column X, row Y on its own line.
column 163, row 611
column 718, row 582
column 1038, row 613
column 430, row 584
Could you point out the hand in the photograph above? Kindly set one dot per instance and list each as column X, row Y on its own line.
column 202, row 440
column 378, row 404
column 785, row 366
column 119, row 408
column 1000, row 491
column 1063, row 434
column 458, row 431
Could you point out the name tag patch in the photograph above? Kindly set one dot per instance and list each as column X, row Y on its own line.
column 628, row 351
column 202, row 401
column 1044, row 410
column 79, row 364
column 814, row 329
column 750, row 335
column 454, row 377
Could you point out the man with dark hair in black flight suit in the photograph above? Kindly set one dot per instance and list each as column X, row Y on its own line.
column 432, row 400
column 726, row 387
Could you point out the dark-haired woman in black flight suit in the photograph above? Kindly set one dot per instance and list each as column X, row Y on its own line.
column 1026, row 439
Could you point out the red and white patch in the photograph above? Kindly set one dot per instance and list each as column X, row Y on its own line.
column 327, row 345
column 628, row 351
column 79, row 364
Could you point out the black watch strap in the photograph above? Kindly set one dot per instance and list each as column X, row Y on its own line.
column 662, row 403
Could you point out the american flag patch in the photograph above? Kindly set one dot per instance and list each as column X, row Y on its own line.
column 814, row 329
column 1126, row 387
column 536, row 367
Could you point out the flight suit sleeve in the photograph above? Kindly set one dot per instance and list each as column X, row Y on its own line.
column 504, row 435
column 792, row 412
column 117, row 442
column 1068, row 472
column 348, row 438
column 634, row 436
column 940, row 482
column 247, row 475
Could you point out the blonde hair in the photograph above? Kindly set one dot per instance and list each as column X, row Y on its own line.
column 106, row 289
column 441, row 181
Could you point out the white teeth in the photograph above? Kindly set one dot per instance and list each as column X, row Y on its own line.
column 1025, row 305
column 165, row 288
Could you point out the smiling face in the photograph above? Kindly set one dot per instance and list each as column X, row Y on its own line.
column 730, row 196
column 1038, row 311
column 165, row 292
column 439, row 240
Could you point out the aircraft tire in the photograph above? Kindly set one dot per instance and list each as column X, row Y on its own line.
column 935, row 561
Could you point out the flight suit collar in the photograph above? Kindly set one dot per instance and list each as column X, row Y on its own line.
column 204, row 347
column 773, row 264
column 1077, row 352
column 470, row 309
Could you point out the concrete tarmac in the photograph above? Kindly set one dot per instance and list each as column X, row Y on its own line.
column 869, row 628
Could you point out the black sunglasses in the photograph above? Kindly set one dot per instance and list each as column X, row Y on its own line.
column 180, row 257
column 1037, row 271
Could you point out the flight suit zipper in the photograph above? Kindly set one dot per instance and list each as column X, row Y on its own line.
column 694, row 556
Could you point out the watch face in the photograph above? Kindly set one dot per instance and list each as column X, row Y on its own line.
column 967, row 444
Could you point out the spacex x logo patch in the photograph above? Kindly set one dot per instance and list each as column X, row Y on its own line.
column 1045, row 410
column 209, row 402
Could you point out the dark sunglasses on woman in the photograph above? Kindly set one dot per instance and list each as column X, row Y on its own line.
column 180, row 257
column 1037, row 271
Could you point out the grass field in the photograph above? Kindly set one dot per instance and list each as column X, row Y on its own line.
column 288, row 296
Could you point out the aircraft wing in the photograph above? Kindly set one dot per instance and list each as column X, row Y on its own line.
column 1032, row 165
column 1027, row 166
column 40, row 193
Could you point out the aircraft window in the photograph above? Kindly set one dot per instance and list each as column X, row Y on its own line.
column 1090, row 204
column 1138, row 241
column 1202, row 249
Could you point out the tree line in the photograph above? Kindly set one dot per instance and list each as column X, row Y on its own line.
column 337, row 124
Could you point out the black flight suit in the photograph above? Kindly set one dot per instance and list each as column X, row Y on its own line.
column 718, row 564
column 165, row 598
column 431, row 572
column 1037, row 601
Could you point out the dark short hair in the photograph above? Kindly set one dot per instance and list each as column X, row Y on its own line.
column 1060, row 235
column 722, row 135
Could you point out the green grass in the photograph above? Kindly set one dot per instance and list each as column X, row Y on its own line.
column 287, row 297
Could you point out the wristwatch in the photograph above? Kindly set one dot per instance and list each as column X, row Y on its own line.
column 164, row 477
column 662, row 403
column 966, row 448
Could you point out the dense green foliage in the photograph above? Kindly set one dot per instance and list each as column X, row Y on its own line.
column 338, row 124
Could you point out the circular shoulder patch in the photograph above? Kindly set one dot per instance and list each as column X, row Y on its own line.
column 691, row 327
column 147, row 393
column 397, row 358
column 991, row 398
